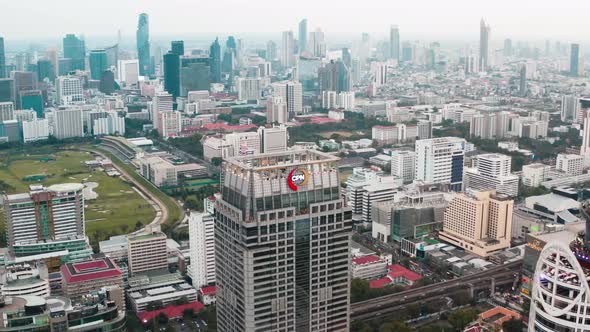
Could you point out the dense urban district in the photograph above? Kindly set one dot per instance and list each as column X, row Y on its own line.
column 294, row 184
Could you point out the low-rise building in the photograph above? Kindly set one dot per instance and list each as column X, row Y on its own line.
column 534, row 174
column 148, row 292
column 368, row 267
column 147, row 251
column 161, row 170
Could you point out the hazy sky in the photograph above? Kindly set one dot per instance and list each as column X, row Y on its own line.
column 418, row 19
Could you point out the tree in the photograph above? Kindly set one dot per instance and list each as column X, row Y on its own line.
column 191, row 203
column 513, row 325
column 395, row 326
column 216, row 161
column 162, row 319
column 461, row 318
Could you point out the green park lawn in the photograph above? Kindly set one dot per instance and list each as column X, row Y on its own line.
column 118, row 207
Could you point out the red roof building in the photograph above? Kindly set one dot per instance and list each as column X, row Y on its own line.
column 171, row 311
column 81, row 278
column 224, row 127
column 207, row 295
column 397, row 275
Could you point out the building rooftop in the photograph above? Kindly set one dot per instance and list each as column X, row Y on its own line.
column 90, row 270
column 281, row 159
column 209, row 290
column 366, row 260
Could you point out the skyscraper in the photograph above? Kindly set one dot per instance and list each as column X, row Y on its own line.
column 215, row 61
column 195, row 74
column 292, row 93
column 271, row 50
column 278, row 212
column 75, row 50
column 484, row 44
column 98, row 63
column 172, row 73
column 45, row 70
column 143, row 45
column 287, row 49
column 507, row 47
column 522, row 85
column 2, row 59
column 202, row 248
column 440, row 160
column 394, row 42
column 177, row 47
column 302, row 36
column 575, row 60
column 585, row 149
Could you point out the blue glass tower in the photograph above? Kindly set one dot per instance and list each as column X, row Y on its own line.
column 215, row 61
column 143, row 45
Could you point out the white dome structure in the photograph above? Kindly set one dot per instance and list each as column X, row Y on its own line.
column 561, row 297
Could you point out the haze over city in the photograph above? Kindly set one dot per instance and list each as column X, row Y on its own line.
column 273, row 166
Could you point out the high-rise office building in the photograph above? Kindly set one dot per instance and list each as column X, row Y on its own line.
column 146, row 252
column 69, row 90
column 143, row 45
column 287, row 44
column 302, row 36
column 128, row 71
column 492, row 172
column 276, row 110
column 292, row 93
column 45, row 70
column 7, row 89
column 317, row 43
column 522, row 81
column 32, row 100
column 507, row 47
column 215, row 61
column 479, row 222
column 23, row 81
column 575, row 68
column 169, row 124
column 484, row 45
column 569, row 108
column 201, row 228
column 162, row 102
column 98, row 63
column 394, row 42
column 195, row 74
column 172, row 73
column 177, row 47
column 440, row 160
column 403, row 165
column 294, row 226
column 74, row 49
column 271, row 50
column 585, row 149
column 3, row 73
column 43, row 215
column 273, row 139
column 68, row 123
column 6, row 111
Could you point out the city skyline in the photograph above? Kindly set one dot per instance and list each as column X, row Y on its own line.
column 415, row 19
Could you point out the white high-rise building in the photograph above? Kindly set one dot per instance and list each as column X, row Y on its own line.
column 570, row 164
column 492, row 172
column 403, row 165
column 273, row 139
column 35, row 130
column 440, row 160
column 379, row 70
column 251, row 88
column 69, row 90
column 128, row 71
column 276, row 110
column 483, row 125
column 162, row 102
column 112, row 124
column 287, row 49
column 169, row 124
column 585, row 149
column 6, row 111
column 68, row 123
column 534, row 174
column 329, row 99
column 317, row 43
column 569, row 108
column 201, row 228
column 292, row 93
column 244, row 143
column 346, row 100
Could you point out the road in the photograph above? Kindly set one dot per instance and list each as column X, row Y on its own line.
column 372, row 309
